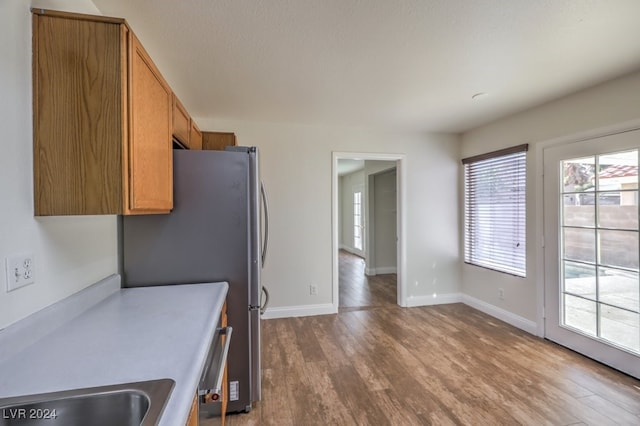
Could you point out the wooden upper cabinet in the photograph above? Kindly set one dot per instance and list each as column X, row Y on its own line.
column 218, row 140
column 102, row 119
column 195, row 137
column 150, row 148
column 181, row 123
column 185, row 129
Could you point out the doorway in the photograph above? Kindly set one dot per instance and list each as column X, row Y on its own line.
column 382, row 260
column 592, row 286
column 367, row 260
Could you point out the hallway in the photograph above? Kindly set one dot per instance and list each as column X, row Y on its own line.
column 358, row 291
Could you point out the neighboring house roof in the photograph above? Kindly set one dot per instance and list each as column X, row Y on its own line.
column 618, row 171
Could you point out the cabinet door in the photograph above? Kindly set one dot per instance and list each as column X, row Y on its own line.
column 181, row 123
column 225, row 379
column 192, row 420
column 195, row 139
column 78, row 81
column 150, row 155
column 218, row 140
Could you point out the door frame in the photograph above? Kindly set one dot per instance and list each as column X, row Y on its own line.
column 574, row 338
column 401, row 201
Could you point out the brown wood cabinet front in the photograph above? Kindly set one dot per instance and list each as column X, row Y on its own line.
column 102, row 119
column 225, row 379
column 181, row 123
column 218, row 140
column 193, row 420
column 195, row 138
column 151, row 157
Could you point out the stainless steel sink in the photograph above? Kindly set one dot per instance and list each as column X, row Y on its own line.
column 139, row 403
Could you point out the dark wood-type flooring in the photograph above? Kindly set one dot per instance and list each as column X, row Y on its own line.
column 358, row 291
column 375, row 363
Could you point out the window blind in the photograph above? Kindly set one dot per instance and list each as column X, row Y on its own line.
column 495, row 210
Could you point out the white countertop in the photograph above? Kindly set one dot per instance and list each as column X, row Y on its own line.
column 133, row 334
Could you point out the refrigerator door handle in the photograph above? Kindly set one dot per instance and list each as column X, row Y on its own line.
column 263, row 307
column 265, row 205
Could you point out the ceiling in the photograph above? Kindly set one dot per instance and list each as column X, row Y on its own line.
column 401, row 64
column 348, row 166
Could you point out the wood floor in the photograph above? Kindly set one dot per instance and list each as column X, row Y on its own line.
column 357, row 291
column 375, row 363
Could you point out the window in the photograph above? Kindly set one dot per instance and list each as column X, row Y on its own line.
column 494, row 210
column 357, row 220
column 599, row 255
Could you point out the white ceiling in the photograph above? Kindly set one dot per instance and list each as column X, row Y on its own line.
column 347, row 166
column 411, row 64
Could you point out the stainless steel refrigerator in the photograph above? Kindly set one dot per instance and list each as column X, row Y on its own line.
column 215, row 232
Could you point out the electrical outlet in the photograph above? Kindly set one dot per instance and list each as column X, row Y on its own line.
column 501, row 293
column 20, row 271
column 313, row 290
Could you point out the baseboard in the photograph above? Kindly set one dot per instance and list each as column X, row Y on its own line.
column 299, row 311
column 387, row 270
column 352, row 250
column 382, row 270
column 501, row 314
column 438, row 299
column 412, row 302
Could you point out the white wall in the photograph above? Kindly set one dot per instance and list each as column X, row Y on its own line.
column 371, row 168
column 602, row 107
column 341, row 225
column 296, row 163
column 385, row 221
column 70, row 252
